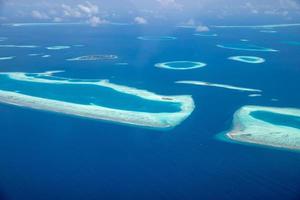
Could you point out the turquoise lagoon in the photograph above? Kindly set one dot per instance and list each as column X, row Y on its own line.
column 97, row 99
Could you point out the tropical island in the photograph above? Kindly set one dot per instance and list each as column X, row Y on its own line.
column 268, row 126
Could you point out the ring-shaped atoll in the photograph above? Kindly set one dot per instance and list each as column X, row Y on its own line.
column 181, row 65
column 245, row 47
column 157, row 38
column 267, row 126
column 95, row 99
column 248, row 59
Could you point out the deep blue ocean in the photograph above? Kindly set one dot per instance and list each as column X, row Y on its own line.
column 47, row 156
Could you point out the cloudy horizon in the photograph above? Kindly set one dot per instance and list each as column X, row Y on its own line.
column 97, row 12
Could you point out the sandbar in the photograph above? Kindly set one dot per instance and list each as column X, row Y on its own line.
column 231, row 87
column 245, row 47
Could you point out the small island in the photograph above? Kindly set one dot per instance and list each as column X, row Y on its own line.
column 94, row 57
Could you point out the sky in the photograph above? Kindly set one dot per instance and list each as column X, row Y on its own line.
column 96, row 12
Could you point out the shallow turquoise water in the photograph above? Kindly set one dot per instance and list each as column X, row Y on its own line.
column 277, row 119
column 86, row 95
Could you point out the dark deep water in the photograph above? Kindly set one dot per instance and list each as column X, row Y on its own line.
column 46, row 156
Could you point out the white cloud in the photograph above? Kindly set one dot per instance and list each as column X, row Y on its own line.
column 39, row 15
column 140, row 20
column 88, row 8
column 70, row 12
column 170, row 4
column 202, row 28
column 95, row 21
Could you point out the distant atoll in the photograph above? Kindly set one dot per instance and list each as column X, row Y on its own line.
column 261, row 26
column 248, row 59
column 94, row 57
column 180, row 65
column 95, row 99
column 267, row 126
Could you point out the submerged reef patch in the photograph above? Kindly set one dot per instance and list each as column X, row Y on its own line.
column 268, row 31
column 159, row 38
column 248, row 59
column 231, row 87
column 122, row 64
column 206, row 34
column 58, row 47
column 254, row 95
column 245, row 47
column 181, row 65
column 95, row 99
column 268, row 126
column 94, row 57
